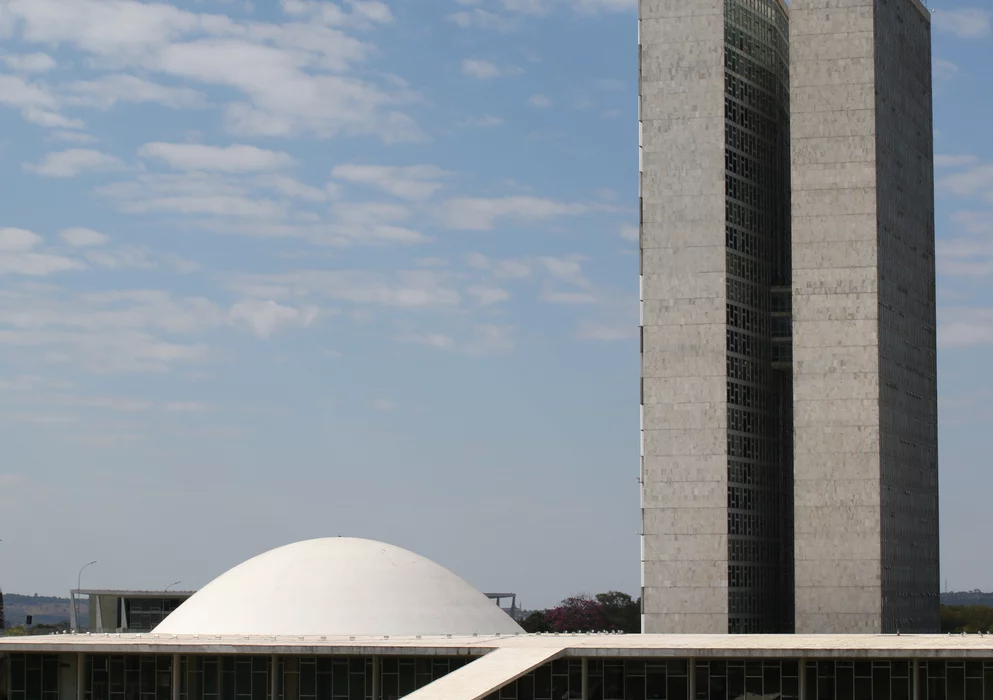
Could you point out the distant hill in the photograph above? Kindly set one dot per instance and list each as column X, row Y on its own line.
column 44, row 610
column 976, row 597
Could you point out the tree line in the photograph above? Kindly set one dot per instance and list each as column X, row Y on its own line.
column 618, row 612
column 971, row 619
column 605, row 612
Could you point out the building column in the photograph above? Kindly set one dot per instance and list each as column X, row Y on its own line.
column 585, row 683
column 274, row 678
column 176, row 677
column 691, row 671
column 803, row 679
column 915, row 681
column 80, row 675
column 375, row 678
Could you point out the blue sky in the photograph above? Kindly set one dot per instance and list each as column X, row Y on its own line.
column 273, row 270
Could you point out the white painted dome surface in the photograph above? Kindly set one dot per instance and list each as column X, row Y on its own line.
column 338, row 586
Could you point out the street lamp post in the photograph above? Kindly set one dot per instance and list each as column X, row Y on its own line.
column 174, row 583
column 79, row 580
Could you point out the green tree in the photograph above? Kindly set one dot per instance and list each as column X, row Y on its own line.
column 3, row 620
column 622, row 612
column 536, row 622
column 970, row 619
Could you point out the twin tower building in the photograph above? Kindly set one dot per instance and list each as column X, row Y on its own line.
column 789, row 413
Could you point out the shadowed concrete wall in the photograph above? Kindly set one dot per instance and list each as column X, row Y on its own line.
column 684, row 373
column 908, row 354
column 844, row 208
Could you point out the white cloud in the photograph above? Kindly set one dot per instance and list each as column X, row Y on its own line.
column 385, row 405
column 434, row 340
column 502, row 269
column 485, row 121
column 75, row 161
column 193, row 194
column 18, row 239
column 17, row 256
column 265, row 318
column 568, row 269
column 481, row 70
column 488, row 339
column 71, row 137
column 478, row 261
column 373, row 10
column 102, row 27
column 486, row 70
column 411, row 289
column 122, row 259
column 630, row 232
column 946, row 161
column 228, row 204
column 228, row 159
column 944, row 69
column 964, row 23
column 477, row 17
column 187, row 407
column 481, row 214
column 121, row 352
column 966, row 327
column 476, row 341
column 559, row 297
column 112, row 89
column 106, row 332
column 290, row 76
column 539, row 100
column 83, row 237
column 511, row 269
column 283, row 99
column 36, row 103
column 974, row 221
column 414, row 182
column 52, row 120
column 30, row 62
column 608, row 84
column 221, row 206
column 977, row 180
column 36, row 264
column 593, row 6
column 17, row 92
column 486, row 295
column 607, row 332
column 290, row 187
column 363, row 12
column 370, row 223
column 108, row 403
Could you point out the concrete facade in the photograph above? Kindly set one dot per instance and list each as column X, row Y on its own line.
column 865, row 464
column 714, row 202
column 835, row 317
column 683, row 291
column 819, row 489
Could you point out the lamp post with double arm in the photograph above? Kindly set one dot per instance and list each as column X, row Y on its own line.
column 79, row 580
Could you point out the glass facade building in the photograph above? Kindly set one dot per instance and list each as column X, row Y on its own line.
column 759, row 379
column 39, row 676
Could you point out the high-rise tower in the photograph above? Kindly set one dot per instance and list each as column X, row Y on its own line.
column 716, row 381
column 789, row 477
column 866, row 463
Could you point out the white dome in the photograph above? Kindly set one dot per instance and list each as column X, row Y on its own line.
column 338, row 586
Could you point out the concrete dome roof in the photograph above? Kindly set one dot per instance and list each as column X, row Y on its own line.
column 338, row 586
